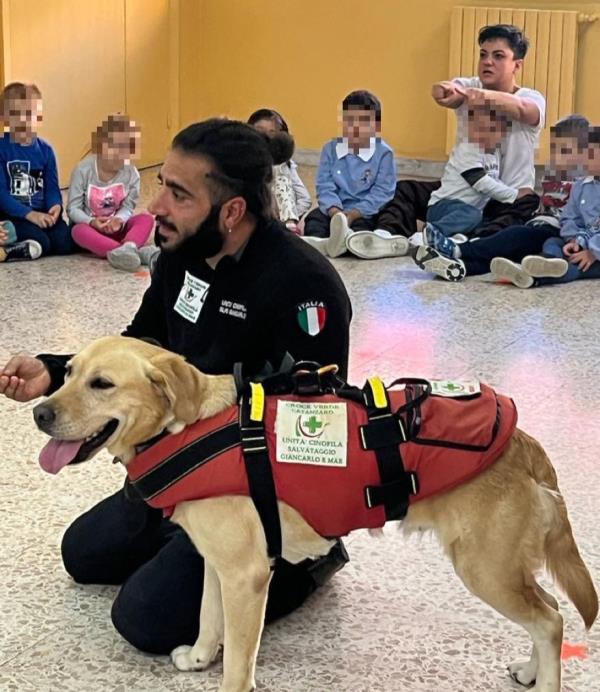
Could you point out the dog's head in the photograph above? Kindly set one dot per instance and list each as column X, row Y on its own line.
column 118, row 393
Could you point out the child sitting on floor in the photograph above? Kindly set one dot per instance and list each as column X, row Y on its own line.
column 291, row 197
column 568, row 153
column 576, row 253
column 103, row 194
column 356, row 178
column 470, row 179
column 30, row 197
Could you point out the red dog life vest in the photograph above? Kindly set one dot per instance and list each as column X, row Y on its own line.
column 449, row 442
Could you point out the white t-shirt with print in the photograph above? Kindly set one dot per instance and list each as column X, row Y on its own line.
column 517, row 168
column 464, row 157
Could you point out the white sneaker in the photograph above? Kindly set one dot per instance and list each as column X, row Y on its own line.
column 125, row 257
column 319, row 244
column 504, row 270
column 338, row 233
column 416, row 239
column 377, row 244
column 459, row 238
column 542, row 267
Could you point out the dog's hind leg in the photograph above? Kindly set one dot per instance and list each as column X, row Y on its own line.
column 210, row 638
column 514, row 593
column 525, row 672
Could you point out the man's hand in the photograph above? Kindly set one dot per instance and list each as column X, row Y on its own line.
column 524, row 191
column 472, row 95
column 447, row 94
column 583, row 259
column 571, row 248
column 54, row 213
column 40, row 219
column 24, row 378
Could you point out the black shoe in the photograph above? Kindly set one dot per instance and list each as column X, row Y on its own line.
column 25, row 250
column 324, row 568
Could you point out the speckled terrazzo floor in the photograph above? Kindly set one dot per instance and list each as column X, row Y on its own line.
column 396, row 618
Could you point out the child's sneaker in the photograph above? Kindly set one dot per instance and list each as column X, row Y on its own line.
column 148, row 256
column 338, row 233
column 19, row 252
column 505, row 270
column 445, row 246
column 376, row 244
column 545, row 267
column 126, row 257
column 416, row 239
column 319, row 244
column 430, row 260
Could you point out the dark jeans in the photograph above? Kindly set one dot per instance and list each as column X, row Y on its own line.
column 410, row 203
column 124, row 541
column 514, row 243
column 317, row 224
column 54, row 241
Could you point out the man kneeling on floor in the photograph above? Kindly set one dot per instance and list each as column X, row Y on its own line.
column 231, row 285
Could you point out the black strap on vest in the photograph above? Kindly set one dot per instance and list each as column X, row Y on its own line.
column 258, row 465
column 383, row 434
column 186, row 460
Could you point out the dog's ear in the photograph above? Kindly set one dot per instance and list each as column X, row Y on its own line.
column 182, row 384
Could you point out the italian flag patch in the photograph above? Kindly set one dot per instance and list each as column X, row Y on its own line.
column 312, row 317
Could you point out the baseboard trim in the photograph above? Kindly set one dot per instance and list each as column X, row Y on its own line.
column 407, row 168
column 417, row 168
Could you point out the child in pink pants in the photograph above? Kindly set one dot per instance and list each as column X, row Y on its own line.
column 103, row 193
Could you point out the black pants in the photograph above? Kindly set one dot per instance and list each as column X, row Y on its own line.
column 55, row 240
column 410, row 203
column 124, row 541
column 317, row 224
column 514, row 243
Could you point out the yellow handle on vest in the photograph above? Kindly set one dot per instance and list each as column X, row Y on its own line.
column 257, row 402
column 379, row 394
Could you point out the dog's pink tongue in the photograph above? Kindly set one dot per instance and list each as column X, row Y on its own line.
column 58, row 453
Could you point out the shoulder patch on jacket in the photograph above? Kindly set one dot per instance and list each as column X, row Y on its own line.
column 312, row 316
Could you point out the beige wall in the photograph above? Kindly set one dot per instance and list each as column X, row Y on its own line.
column 170, row 62
column 302, row 56
column 91, row 59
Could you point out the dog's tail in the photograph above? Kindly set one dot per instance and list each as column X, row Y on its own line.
column 563, row 560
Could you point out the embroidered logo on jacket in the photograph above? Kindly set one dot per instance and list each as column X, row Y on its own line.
column 312, row 317
column 233, row 309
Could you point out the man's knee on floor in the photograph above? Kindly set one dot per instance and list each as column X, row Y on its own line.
column 148, row 628
column 72, row 550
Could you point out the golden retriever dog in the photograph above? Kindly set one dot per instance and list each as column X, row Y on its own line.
column 499, row 529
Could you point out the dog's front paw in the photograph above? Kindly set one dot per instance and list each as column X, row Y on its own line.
column 523, row 672
column 184, row 659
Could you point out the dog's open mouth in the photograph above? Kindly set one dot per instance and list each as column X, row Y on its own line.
column 57, row 454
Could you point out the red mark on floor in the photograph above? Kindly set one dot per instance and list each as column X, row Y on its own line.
column 573, row 651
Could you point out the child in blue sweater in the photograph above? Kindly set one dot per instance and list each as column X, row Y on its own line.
column 29, row 193
column 356, row 178
column 575, row 254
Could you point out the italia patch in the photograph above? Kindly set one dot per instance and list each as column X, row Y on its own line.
column 312, row 317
